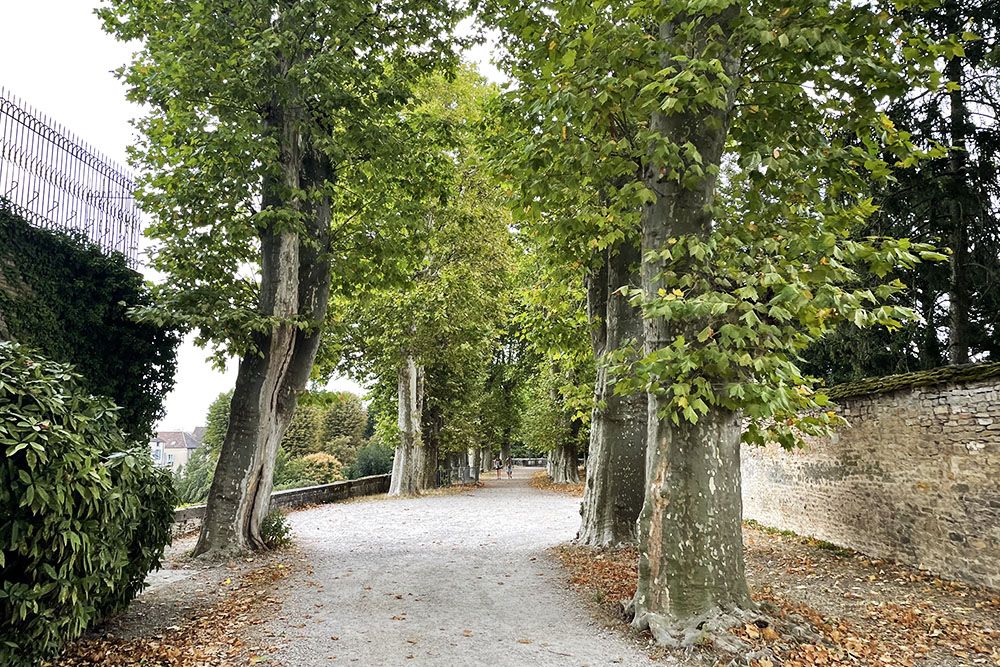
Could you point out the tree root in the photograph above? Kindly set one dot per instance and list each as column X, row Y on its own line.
column 711, row 628
column 715, row 629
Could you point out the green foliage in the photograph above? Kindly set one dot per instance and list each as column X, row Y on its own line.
column 60, row 294
column 317, row 414
column 549, row 420
column 275, row 531
column 345, row 417
column 375, row 458
column 332, row 78
column 323, row 468
column 606, row 111
column 289, row 472
column 84, row 515
column 450, row 309
column 953, row 199
column 217, row 422
column 195, row 479
column 304, row 434
column 343, row 447
column 344, row 426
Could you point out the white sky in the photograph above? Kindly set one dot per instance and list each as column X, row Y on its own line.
column 54, row 55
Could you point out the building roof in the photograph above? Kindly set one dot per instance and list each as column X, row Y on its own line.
column 199, row 433
column 177, row 440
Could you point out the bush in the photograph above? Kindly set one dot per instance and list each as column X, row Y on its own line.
column 60, row 294
column 289, row 472
column 84, row 515
column 373, row 459
column 275, row 531
column 323, row 468
column 304, row 433
column 344, row 447
column 346, row 417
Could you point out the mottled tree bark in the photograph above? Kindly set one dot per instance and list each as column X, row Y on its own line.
column 409, row 465
column 616, row 465
column 295, row 284
column 474, row 458
column 564, row 464
column 691, row 572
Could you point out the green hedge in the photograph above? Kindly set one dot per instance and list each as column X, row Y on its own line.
column 61, row 295
column 84, row 515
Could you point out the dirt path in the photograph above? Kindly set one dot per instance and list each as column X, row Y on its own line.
column 460, row 579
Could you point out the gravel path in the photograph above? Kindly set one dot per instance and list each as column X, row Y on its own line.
column 459, row 579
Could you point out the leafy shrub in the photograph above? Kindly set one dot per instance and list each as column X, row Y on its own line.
column 60, row 294
column 322, row 468
column 344, row 422
column 275, row 531
column 289, row 472
column 343, row 447
column 84, row 515
column 304, row 433
column 374, row 458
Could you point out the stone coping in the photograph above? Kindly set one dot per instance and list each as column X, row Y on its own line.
column 309, row 495
column 961, row 373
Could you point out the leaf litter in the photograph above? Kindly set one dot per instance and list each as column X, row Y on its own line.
column 856, row 610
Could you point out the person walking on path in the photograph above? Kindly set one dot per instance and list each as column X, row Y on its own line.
column 498, row 465
column 510, row 468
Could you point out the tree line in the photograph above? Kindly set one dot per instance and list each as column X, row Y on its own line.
column 653, row 244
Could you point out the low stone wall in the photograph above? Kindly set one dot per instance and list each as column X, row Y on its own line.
column 914, row 477
column 189, row 519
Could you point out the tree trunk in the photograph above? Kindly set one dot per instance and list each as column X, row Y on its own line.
column 295, row 284
column 433, row 424
column 563, row 464
column 474, row 459
column 505, row 451
column 408, row 466
column 958, row 292
column 691, row 574
column 616, row 464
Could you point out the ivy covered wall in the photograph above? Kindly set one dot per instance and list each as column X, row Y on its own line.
column 61, row 295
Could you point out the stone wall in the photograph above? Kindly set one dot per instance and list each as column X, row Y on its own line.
column 914, row 477
column 188, row 519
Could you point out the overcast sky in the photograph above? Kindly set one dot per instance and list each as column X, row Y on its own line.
column 54, row 55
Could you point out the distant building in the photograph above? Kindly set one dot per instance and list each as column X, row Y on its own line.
column 173, row 449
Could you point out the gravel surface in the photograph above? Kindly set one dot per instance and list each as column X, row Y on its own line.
column 459, row 579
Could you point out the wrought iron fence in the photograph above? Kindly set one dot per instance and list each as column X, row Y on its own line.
column 55, row 181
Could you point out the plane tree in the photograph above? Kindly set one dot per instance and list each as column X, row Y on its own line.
column 764, row 128
column 271, row 137
column 430, row 335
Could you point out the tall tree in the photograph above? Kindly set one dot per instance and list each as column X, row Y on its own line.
column 552, row 318
column 268, row 121
column 431, row 334
column 763, row 130
column 567, row 140
column 954, row 199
